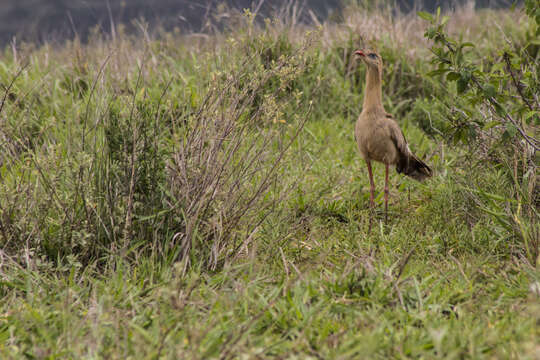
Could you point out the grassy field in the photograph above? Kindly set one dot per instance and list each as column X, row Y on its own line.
column 202, row 197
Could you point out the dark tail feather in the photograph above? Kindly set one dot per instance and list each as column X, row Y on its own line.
column 414, row 167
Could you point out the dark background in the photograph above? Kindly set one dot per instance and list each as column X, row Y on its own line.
column 57, row 20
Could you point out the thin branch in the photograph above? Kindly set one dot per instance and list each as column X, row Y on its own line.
column 517, row 84
column 11, row 83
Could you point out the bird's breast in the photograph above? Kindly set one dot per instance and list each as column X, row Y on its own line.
column 374, row 141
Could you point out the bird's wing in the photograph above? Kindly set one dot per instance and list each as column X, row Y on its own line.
column 408, row 163
column 397, row 136
column 400, row 143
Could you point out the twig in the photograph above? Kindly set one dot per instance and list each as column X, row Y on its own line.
column 404, row 262
column 11, row 83
column 518, row 86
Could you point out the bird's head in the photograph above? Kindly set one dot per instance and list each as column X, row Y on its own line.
column 370, row 58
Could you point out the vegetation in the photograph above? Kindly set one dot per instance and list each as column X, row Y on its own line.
column 202, row 196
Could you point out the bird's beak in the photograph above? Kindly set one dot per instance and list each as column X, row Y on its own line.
column 359, row 53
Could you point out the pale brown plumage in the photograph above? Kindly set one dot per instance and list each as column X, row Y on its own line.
column 378, row 136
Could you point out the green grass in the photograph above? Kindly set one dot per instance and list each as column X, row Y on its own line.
column 91, row 264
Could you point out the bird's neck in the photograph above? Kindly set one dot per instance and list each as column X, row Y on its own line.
column 373, row 92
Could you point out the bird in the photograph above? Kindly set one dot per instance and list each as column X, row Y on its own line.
column 377, row 134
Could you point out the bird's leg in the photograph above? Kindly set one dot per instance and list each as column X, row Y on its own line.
column 371, row 184
column 371, row 193
column 386, row 194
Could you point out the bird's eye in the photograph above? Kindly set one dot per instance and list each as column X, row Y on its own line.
column 372, row 56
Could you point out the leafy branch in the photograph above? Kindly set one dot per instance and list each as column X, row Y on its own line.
column 489, row 88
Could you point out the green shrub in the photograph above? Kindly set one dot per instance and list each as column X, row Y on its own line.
column 496, row 106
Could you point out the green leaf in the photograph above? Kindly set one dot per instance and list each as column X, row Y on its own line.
column 462, row 84
column 511, row 129
column 437, row 72
column 499, row 110
column 467, row 44
column 426, row 16
column 453, row 76
column 490, row 124
column 430, row 33
column 444, row 20
column 498, row 67
column 531, row 114
column 490, row 90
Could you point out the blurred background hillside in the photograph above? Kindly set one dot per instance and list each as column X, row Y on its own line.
column 57, row 20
